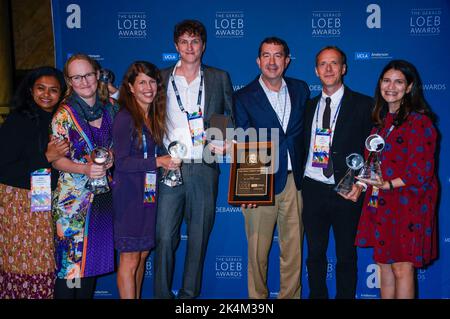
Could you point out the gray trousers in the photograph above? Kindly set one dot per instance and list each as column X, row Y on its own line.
column 195, row 200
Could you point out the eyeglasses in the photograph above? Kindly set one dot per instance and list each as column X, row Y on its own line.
column 89, row 77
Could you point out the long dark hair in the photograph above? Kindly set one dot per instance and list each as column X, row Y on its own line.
column 413, row 101
column 156, row 112
column 23, row 102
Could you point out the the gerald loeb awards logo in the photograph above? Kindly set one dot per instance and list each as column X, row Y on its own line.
column 132, row 25
column 425, row 22
column 228, row 267
column 326, row 24
column 229, row 24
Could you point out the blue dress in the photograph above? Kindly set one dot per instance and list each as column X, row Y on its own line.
column 134, row 223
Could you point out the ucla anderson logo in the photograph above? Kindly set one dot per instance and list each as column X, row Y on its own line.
column 166, row 57
column 425, row 22
column 326, row 24
column 229, row 24
column 228, row 267
column 132, row 25
column 363, row 56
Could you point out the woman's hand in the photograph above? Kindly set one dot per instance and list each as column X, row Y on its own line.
column 168, row 162
column 93, row 170
column 376, row 183
column 56, row 149
column 381, row 184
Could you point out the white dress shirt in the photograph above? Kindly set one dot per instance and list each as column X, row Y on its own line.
column 316, row 173
column 281, row 104
column 177, row 123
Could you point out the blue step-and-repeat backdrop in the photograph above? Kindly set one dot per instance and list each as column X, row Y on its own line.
column 117, row 33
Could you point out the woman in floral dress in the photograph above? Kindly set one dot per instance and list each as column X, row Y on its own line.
column 399, row 218
column 84, row 226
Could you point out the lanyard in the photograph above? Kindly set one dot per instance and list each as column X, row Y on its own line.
column 334, row 118
column 177, row 94
column 387, row 133
column 144, row 145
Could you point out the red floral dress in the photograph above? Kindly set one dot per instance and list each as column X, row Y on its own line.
column 403, row 226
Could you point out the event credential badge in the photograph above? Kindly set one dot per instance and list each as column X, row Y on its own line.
column 197, row 130
column 321, row 151
column 150, row 188
column 41, row 192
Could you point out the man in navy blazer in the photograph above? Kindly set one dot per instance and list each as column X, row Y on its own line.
column 275, row 103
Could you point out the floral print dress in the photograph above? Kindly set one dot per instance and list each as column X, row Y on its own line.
column 403, row 226
column 84, row 227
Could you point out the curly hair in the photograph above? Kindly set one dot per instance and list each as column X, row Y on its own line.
column 192, row 28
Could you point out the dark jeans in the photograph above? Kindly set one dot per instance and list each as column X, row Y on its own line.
column 83, row 289
column 195, row 200
column 324, row 208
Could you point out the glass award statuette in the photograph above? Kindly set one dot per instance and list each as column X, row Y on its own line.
column 99, row 156
column 371, row 171
column 173, row 178
column 354, row 162
column 251, row 174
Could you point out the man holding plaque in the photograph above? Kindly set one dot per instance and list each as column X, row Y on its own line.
column 337, row 122
column 274, row 104
column 194, row 93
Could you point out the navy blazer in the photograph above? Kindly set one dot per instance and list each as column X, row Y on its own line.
column 252, row 109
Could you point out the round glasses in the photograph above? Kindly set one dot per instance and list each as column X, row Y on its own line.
column 77, row 79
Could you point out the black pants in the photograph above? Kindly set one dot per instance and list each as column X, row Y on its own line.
column 73, row 289
column 324, row 208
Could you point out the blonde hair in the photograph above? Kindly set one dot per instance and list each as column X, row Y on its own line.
column 102, row 88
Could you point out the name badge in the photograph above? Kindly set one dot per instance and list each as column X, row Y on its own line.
column 321, row 150
column 41, row 192
column 373, row 200
column 150, row 188
column 197, row 130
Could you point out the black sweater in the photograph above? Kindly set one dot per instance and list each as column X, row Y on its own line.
column 23, row 142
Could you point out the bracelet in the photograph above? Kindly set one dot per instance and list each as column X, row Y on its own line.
column 391, row 186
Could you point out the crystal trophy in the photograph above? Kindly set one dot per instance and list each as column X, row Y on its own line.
column 99, row 156
column 354, row 162
column 173, row 178
column 371, row 171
